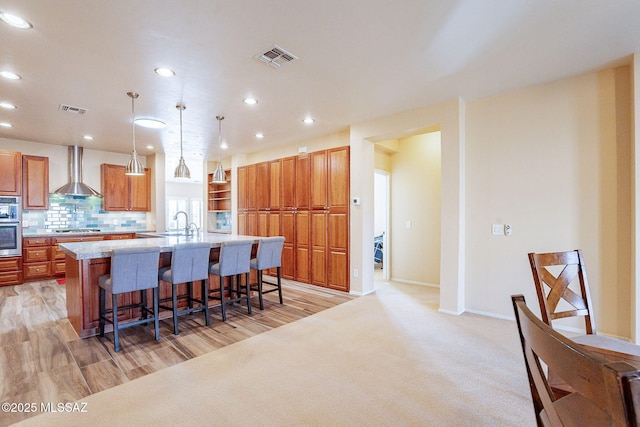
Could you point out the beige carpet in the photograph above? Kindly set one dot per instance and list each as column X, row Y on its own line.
column 387, row 358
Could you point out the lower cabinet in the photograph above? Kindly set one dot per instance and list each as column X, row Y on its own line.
column 42, row 257
column 11, row 271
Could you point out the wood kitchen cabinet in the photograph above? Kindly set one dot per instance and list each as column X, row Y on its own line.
column 10, row 173
column 122, row 192
column 36, row 257
column 308, row 204
column 35, row 182
column 11, row 271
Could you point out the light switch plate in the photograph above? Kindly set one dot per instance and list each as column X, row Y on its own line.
column 497, row 229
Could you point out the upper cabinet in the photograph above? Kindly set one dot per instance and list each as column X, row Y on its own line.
column 35, row 182
column 10, row 173
column 122, row 192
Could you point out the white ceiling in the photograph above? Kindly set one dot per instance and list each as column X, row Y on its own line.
column 358, row 60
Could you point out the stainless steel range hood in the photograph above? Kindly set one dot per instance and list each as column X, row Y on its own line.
column 76, row 187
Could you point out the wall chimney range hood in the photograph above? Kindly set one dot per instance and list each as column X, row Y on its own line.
column 76, row 187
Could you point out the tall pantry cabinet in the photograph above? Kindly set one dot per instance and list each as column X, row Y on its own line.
column 304, row 198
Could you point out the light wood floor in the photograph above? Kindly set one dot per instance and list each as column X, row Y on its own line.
column 42, row 360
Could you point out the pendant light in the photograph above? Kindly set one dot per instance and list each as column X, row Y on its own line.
column 182, row 171
column 219, row 176
column 134, row 167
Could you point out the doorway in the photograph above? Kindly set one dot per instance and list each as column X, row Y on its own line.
column 381, row 226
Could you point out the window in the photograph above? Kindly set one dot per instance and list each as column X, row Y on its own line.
column 191, row 205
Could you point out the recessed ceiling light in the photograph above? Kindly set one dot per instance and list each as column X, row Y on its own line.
column 9, row 75
column 165, row 72
column 150, row 123
column 88, row 137
column 250, row 101
column 308, row 120
column 15, row 21
column 150, row 147
column 6, row 125
column 224, row 146
column 8, row 106
column 259, row 135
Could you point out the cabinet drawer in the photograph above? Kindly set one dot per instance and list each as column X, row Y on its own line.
column 37, row 269
column 120, row 236
column 11, row 264
column 35, row 241
column 56, row 253
column 58, row 268
column 35, row 254
column 11, row 278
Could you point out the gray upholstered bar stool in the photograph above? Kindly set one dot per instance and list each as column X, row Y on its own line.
column 269, row 255
column 234, row 261
column 189, row 263
column 132, row 269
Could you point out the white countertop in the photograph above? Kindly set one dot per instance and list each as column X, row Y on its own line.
column 103, row 248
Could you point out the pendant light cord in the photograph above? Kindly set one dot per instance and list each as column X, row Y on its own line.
column 181, row 108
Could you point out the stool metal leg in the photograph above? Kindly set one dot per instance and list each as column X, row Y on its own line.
column 205, row 298
column 260, row 289
column 279, row 284
column 116, row 334
column 248, row 292
column 224, row 313
column 156, row 311
column 143, row 300
column 102, row 311
column 174, row 296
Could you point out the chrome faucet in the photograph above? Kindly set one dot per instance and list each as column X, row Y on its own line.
column 193, row 225
column 187, row 228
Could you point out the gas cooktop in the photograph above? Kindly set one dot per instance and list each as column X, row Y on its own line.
column 79, row 230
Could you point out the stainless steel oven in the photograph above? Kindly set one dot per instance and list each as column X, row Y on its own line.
column 10, row 226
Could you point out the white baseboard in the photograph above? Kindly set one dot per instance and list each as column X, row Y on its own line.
column 488, row 314
column 413, row 282
column 454, row 313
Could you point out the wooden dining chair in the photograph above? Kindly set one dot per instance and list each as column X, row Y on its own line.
column 604, row 393
column 562, row 277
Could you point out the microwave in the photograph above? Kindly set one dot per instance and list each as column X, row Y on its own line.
column 9, row 209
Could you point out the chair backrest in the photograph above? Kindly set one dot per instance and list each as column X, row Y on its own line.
column 190, row 262
column 606, row 393
column 569, row 284
column 134, row 269
column 269, row 253
column 235, row 257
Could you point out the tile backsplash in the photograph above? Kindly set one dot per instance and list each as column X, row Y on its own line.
column 80, row 212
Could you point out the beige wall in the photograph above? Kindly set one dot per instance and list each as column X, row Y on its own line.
column 552, row 161
column 414, row 252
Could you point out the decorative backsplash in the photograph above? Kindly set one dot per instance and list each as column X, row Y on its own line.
column 80, row 212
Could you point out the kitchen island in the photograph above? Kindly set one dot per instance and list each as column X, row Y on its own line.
column 86, row 261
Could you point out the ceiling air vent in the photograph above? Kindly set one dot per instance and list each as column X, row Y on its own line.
column 276, row 56
column 72, row 109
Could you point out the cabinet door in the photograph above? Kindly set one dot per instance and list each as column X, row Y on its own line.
column 302, row 247
column 252, row 223
column 319, row 180
column 35, row 183
column 274, row 223
column 139, row 188
column 275, row 179
column 263, row 224
column 242, row 188
column 262, row 184
column 10, row 173
column 287, row 229
column 338, row 249
column 319, row 248
column 242, row 223
column 113, row 187
column 303, row 176
column 288, row 189
column 338, row 177
column 252, row 194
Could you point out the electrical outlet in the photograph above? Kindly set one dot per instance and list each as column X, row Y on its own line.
column 497, row 229
column 115, row 222
column 356, row 273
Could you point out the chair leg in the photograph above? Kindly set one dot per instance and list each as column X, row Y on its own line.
column 224, row 313
column 143, row 301
column 174, row 307
column 260, row 289
column 116, row 332
column 190, row 293
column 279, row 284
column 102, row 311
column 156, row 312
column 248, row 292
column 205, row 299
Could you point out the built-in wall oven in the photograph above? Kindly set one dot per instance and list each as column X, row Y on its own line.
column 10, row 226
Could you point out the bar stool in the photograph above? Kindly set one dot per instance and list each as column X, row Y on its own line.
column 189, row 263
column 132, row 269
column 234, row 261
column 269, row 255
